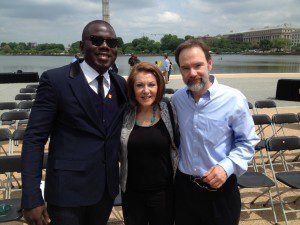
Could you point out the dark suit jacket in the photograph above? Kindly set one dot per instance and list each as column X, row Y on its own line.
column 83, row 156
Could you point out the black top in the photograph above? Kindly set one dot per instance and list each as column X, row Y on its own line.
column 149, row 162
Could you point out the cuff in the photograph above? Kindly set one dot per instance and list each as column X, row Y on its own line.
column 228, row 166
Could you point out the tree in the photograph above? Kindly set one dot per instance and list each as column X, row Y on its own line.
column 6, row 49
column 296, row 48
column 187, row 37
column 74, row 48
column 170, row 42
column 120, row 42
column 282, row 44
column 265, row 45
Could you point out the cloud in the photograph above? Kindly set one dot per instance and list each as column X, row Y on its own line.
column 167, row 17
column 62, row 21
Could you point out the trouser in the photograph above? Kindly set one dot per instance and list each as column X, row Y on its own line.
column 151, row 207
column 97, row 214
column 195, row 205
column 165, row 76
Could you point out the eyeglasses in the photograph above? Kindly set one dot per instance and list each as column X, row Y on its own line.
column 199, row 182
column 97, row 41
column 4, row 209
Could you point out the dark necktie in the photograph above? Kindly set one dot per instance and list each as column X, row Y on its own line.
column 100, row 86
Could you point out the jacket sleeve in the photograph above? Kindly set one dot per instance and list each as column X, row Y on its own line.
column 39, row 127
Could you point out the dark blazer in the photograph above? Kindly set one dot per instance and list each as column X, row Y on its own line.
column 82, row 154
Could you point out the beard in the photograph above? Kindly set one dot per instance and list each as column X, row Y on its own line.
column 197, row 84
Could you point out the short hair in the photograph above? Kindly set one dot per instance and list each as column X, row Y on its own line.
column 87, row 27
column 150, row 68
column 190, row 43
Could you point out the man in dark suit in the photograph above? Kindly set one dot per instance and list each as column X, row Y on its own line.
column 80, row 106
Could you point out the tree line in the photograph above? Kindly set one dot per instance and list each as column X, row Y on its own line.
column 145, row 46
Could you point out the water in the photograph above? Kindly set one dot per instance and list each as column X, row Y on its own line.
column 221, row 63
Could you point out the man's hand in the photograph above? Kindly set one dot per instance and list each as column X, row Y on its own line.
column 36, row 216
column 215, row 176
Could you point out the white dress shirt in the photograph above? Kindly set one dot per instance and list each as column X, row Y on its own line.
column 91, row 77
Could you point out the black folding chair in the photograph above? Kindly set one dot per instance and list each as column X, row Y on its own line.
column 8, row 105
column 32, row 86
column 169, row 91
column 5, row 136
column 14, row 115
column 263, row 104
column 27, row 90
column 263, row 125
column 290, row 179
column 25, row 105
column 23, row 97
column 257, row 181
column 283, row 120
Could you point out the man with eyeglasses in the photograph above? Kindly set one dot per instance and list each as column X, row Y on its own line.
column 217, row 139
column 80, row 106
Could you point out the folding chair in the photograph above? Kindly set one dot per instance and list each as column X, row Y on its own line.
column 256, row 180
column 263, row 125
column 250, row 106
column 25, row 105
column 263, row 104
column 290, row 179
column 16, row 137
column 27, row 90
column 5, row 136
column 32, row 86
column 169, row 91
column 22, row 97
column 14, row 115
column 6, row 106
column 284, row 120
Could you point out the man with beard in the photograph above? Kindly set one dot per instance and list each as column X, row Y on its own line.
column 80, row 106
column 217, row 139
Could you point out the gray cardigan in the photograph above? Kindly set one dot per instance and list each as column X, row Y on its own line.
column 128, row 124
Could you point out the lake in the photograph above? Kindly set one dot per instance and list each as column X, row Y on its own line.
column 221, row 63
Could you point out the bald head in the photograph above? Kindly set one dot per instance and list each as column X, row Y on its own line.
column 102, row 23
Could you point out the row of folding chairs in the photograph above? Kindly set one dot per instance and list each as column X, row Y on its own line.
column 261, row 183
column 11, row 165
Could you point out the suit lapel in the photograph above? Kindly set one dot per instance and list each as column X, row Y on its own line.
column 121, row 89
column 79, row 86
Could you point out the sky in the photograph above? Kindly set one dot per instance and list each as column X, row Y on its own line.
column 62, row 21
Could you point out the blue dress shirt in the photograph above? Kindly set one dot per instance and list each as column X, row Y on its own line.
column 218, row 129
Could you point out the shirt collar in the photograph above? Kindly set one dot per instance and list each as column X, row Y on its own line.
column 90, row 73
column 211, row 91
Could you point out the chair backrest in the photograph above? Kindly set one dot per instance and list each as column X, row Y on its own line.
column 285, row 118
column 250, row 105
column 18, row 135
column 265, row 104
column 5, row 135
column 32, row 86
column 283, row 143
column 27, row 90
column 13, row 163
column 14, row 115
column 8, row 105
column 25, row 105
column 261, row 119
column 22, row 97
column 169, row 91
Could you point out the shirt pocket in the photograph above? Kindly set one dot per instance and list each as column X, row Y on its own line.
column 215, row 132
